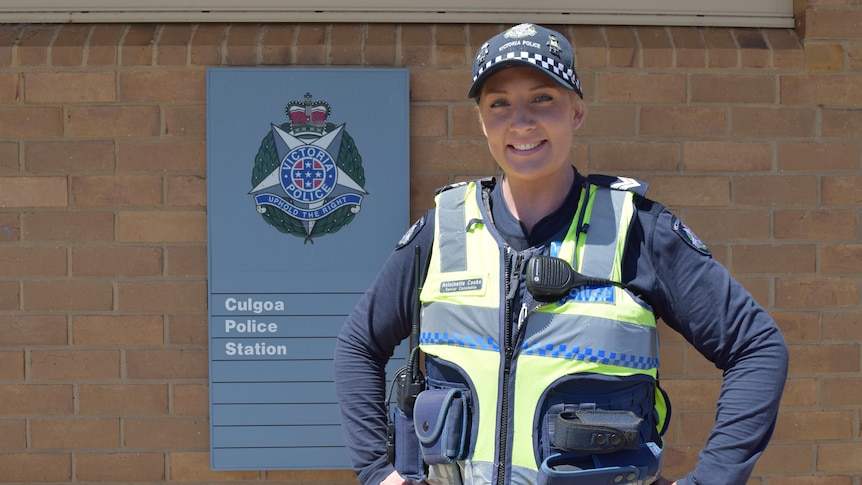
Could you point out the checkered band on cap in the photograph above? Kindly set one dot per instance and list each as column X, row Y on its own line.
column 548, row 64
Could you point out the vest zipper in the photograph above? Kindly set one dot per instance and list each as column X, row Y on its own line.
column 513, row 275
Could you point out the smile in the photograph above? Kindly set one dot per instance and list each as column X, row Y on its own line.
column 525, row 146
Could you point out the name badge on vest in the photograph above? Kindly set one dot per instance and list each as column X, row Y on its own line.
column 457, row 286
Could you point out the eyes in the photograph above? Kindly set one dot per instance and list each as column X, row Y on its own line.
column 499, row 101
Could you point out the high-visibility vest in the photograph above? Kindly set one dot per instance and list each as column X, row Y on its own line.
column 465, row 317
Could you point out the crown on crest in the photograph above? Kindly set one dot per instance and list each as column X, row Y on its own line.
column 307, row 117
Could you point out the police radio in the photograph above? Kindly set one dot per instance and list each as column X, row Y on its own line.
column 408, row 381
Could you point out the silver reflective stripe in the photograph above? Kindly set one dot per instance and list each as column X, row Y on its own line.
column 591, row 339
column 460, row 325
column 452, row 226
column 601, row 246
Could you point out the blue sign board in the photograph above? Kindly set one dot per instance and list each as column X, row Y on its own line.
column 307, row 195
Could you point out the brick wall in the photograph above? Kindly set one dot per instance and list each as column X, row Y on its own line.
column 751, row 135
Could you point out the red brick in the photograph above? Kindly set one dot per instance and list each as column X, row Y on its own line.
column 801, row 392
column 10, row 228
column 820, row 156
column 690, row 191
column 185, row 121
column 120, row 467
column 774, row 259
column 161, row 296
column 720, row 47
column 70, row 87
column 727, row 156
column 841, row 391
column 380, row 45
column 840, row 23
column 432, row 120
column 841, row 259
column 35, row 399
column 63, row 157
column 689, row 47
column 798, row 325
column 102, row 47
column 775, row 190
column 187, row 329
column 152, row 226
column 683, row 121
column 137, row 47
column 207, row 46
column 449, row 45
column 63, row 365
column 9, row 163
column 608, row 120
column 783, row 458
column 692, row 394
column 842, row 325
column 114, row 261
column 277, row 45
column 33, row 44
column 63, row 433
column 114, row 190
column 641, row 87
column 626, row 156
column 656, row 48
column 33, row 192
column 772, row 122
column 821, row 57
column 823, row 224
column 590, row 46
column 167, row 364
column 166, row 433
column 815, row 89
column 13, row 434
column 32, row 262
column 185, row 261
column 10, row 295
column 814, row 425
column 187, row 191
column 113, row 121
column 839, row 457
column 163, row 86
column 824, row 359
column 31, row 121
column 311, row 43
column 753, row 49
column 786, row 49
column 801, row 292
column 117, row 330
column 242, row 44
column 416, row 44
column 728, row 225
column 172, row 48
column 622, row 46
column 9, row 89
column 439, row 156
column 67, row 295
column 68, row 226
column 36, row 467
column 345, row 44
column 437, row 86
column 842, row 123
column 841, row 190
column 733, row 88
column 175, row 156
column 195, row 467
column 190, row 399
column 11, row 369
column 123, row 399
column 333, row 477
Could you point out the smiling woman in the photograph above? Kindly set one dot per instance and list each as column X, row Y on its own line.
column 731, row 13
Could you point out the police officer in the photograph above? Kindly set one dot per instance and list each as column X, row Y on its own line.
column 515, row 380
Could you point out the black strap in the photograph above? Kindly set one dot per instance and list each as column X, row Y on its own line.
column 596, row 431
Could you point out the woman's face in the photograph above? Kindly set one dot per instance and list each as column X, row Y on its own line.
column 529, row 121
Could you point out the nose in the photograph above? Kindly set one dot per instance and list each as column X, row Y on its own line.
column 523, row 119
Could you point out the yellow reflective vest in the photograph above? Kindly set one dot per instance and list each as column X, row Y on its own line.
column 598, row 347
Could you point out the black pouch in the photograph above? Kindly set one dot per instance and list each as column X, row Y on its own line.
column 442, row 425
column 408, row 457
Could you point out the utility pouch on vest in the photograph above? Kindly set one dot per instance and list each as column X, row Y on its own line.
column 596, row 431
column 442, row 425
column 625, row 467
column 405, row 454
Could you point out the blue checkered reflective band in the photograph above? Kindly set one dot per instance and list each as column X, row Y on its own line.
column 587, row 354
column 547, row 63
column 469, row 341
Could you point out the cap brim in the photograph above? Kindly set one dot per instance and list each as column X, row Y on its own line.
column 476, row 88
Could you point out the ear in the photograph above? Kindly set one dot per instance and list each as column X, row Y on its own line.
column 580, row 112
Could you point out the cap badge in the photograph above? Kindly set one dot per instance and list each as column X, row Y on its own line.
column 520, row 31
column 483, row 51
column 554, row 45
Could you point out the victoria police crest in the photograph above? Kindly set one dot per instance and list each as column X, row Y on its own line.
column 308, row 179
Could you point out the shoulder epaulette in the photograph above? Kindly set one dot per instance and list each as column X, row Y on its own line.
column 619, row 183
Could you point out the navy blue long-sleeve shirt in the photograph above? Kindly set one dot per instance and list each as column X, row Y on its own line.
column 665, row 264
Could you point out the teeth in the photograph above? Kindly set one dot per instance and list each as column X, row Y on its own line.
column 528, row 146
